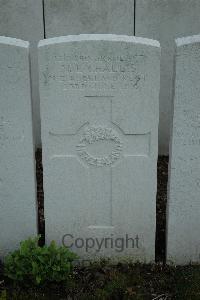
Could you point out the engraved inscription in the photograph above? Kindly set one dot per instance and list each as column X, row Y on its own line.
column 93, row 135
column 192, row 117
column 96, row 72
column 3, row 136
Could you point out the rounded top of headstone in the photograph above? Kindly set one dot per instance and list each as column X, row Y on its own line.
column 13, row 42
column 188, row 40
column 99, row 37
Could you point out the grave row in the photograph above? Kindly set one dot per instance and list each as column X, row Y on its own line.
column 99, row 118
column 156, row 19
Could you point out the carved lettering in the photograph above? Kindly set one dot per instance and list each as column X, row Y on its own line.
column 101, row 72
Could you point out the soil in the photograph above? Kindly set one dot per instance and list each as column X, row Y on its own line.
column 162, row 179
column 120, row 282
column 40, row 195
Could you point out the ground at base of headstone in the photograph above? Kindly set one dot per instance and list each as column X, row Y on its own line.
column 122, row 281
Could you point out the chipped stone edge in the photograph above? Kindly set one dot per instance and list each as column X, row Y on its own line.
column 13, row 42
column 99, row 37
column 187, row 40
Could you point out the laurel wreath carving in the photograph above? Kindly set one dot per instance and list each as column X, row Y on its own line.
column 93, row 134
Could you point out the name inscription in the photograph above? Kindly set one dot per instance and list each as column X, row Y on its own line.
column 96, row 72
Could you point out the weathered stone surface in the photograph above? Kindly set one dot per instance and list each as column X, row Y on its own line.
column 64, row 17
column 23, row 19
column 99, row 109
column 183, row 242
column 165, row 20
column 17, row 178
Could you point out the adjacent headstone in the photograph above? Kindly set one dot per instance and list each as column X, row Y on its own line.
column 99, row 111
column 165, row 20
column 64, row 17
column 183, row 242
column 23, row 19
column 17, row 176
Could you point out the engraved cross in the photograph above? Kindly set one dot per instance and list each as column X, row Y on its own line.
column 100, row 145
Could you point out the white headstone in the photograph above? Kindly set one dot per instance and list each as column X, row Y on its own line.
column 23, row 19
column 99, row 109
column 17, row 178
column 64, row 17
column 165, row 20
column 183, row 242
